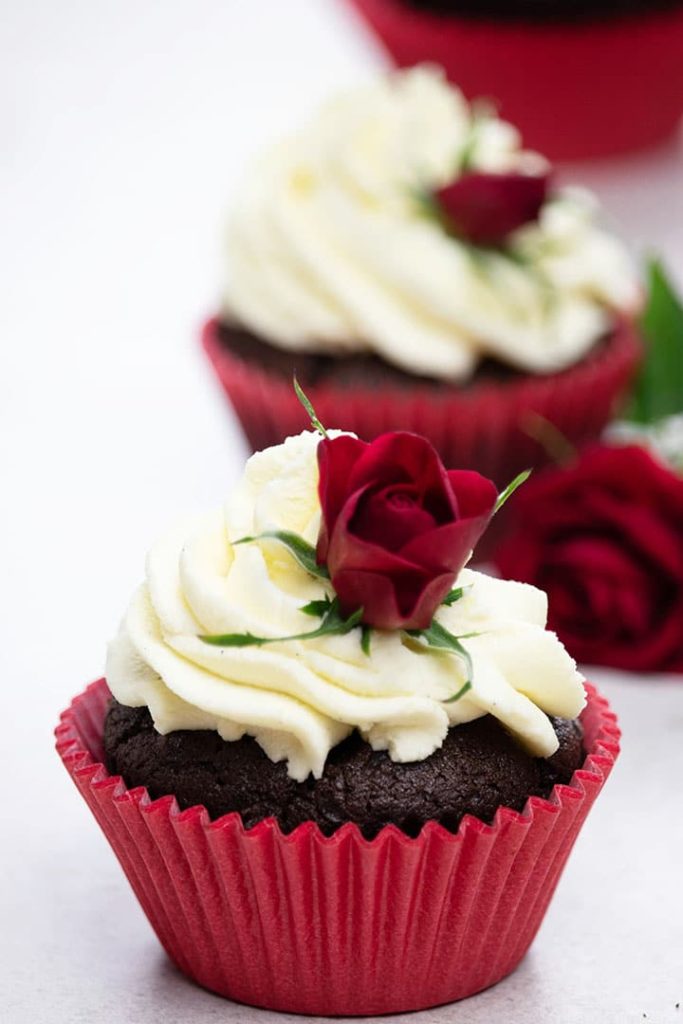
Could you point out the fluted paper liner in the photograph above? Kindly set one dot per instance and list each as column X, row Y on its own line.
column 574, row 89
column 337, row 925
column 486, row 425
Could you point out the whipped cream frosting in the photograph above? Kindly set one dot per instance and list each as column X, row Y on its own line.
column 330, row 249
column 300, row 698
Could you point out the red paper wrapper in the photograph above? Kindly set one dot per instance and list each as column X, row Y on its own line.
column 483, row 426
column 337, row 925
column 574, row 90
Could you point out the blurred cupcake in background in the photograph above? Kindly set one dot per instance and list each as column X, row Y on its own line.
column 579, row 79
column 418, row 269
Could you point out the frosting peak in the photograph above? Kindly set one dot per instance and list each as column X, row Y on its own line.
column 299, row 698
column 330, row 249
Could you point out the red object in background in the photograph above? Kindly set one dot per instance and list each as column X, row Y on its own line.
column 482, row 425
column 341, row 925
column 604, row 538
column 574, row 90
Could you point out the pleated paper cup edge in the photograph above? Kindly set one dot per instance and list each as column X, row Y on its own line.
column 623, row 343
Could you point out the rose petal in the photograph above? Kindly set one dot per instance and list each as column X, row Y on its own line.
column 485, row 208
column 476, row 494
column 347, row 550
column 604, row 537
column 391, row 517
column 336, row 459
column 447, row 547
column 402, row 457
column 406, row 602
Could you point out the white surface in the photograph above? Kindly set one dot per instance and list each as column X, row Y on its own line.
column 123, row 127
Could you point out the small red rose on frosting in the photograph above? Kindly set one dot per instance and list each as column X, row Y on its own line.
column 397, row 527
column 484, row 208
column 604, row 538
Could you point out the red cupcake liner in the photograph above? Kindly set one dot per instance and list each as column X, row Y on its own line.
column 337, row 925
column 574, row 90
column 483, row 426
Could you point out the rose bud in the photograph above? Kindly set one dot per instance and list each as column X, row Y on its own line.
column 484, row 208
column 397, row 527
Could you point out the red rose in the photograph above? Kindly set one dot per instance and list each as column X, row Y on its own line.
column 486, row 208
column 396, row 527
column 604, row 538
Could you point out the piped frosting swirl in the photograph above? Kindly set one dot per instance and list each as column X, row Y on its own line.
column 300, row 698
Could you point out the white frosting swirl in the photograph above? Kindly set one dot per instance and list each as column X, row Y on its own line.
column 300, row 698
column 329, row 250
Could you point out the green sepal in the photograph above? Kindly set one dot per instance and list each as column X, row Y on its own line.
column 333, row 624
column 455, row 595
column 318, row 609
column 461, row 693
column 308, row 406
column 300, row 549
column 439, row 638
column 520, row 479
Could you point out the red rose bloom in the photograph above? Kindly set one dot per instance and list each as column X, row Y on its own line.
column 396, row 527
column 604, row 538
column 485, row 208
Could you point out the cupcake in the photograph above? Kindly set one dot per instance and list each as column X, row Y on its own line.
column 580, row 80
column 325, row 746
column 420, row 270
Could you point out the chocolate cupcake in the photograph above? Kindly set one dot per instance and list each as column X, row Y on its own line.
column 580, row 79
column 317, row 704
column 433, row 279
column 478, row 769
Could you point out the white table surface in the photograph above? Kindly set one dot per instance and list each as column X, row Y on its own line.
column 123, row 128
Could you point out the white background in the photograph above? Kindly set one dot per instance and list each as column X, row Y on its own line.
column 123, row 129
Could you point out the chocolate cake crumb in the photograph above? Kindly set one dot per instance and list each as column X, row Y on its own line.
column 479, row 768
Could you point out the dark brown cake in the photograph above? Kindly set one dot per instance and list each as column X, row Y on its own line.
column 349, row 371
column 541, row 10
column 478, row 769
column 315, row 369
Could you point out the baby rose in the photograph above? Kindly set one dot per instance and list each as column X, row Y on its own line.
column 604, row 539
column 397, row 527
column 484, row 208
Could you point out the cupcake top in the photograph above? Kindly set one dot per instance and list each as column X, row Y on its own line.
column 330, row 594
column 403, row 222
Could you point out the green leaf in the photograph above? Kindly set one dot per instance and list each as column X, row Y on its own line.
column 303, row 552
column 461, row 693
column 308, row 406
column 481, row 111
column 659, row 387
column 235, row 640
column 366, row 639
column 317, row 608
column 467, row 151
column 520, row 479
column 455, row 595
column 439, row 638
column 333, row 624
